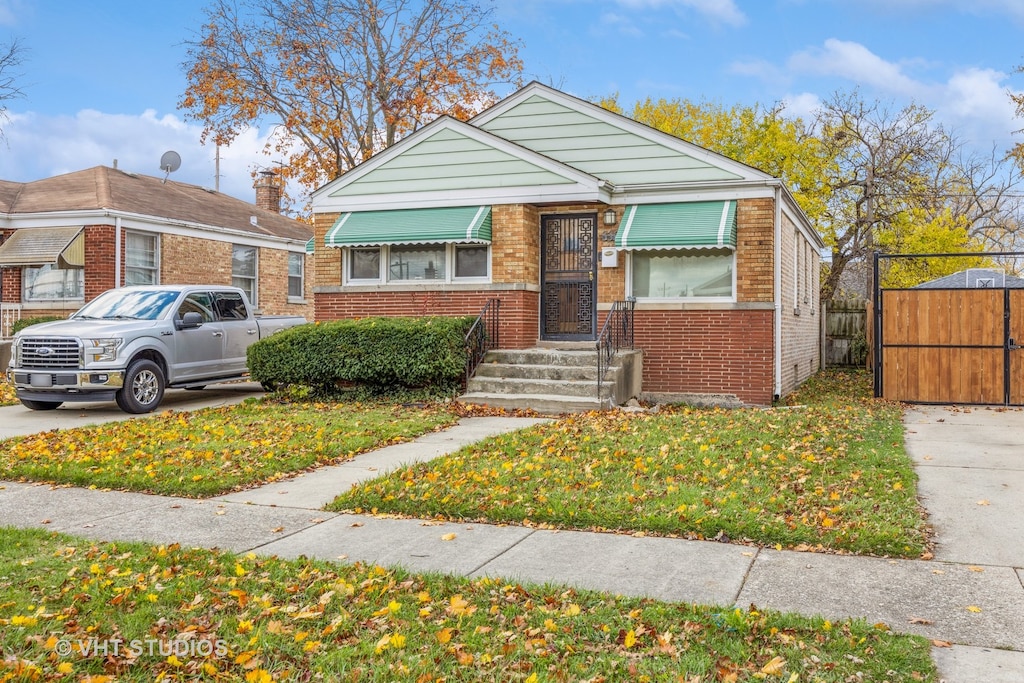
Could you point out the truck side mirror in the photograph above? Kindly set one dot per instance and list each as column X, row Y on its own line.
column 190, row 321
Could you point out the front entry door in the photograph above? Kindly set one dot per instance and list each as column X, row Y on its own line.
column 569, row 277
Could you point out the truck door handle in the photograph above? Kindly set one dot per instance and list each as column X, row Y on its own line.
column 218, row 334
column 250, row 331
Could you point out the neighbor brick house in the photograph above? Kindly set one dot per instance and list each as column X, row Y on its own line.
column 559, row 208
column 65, row 239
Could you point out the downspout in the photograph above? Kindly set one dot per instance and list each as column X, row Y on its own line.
column 778, row 291
column 117, row 252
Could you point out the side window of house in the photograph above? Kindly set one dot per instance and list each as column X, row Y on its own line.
column 405, row 263
column 296, row 269
column 682, row 273
column 141, row 259
column 243, row 271
column 50, row 283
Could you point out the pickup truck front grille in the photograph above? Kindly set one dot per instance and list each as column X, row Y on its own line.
column 50, row 352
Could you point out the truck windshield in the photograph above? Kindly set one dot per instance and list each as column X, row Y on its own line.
column 121, row 304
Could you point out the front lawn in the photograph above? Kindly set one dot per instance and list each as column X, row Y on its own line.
column 211, row 451
column 72, row 609
column 828, row 474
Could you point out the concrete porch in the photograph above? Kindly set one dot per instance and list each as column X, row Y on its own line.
column 554, row 379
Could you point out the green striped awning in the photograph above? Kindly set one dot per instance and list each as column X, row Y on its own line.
column 693, row 225
column 411, row 226
column 310, row 245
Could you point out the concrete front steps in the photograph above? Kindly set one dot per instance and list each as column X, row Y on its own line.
column 553, row 381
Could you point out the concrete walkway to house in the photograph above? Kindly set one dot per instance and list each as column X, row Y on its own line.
column 971, row 468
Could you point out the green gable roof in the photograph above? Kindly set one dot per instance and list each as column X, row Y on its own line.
column 598, row 147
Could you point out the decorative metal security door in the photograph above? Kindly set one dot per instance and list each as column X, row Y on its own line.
column 569, row 277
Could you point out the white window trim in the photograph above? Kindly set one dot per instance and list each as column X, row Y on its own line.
column 385, row 258
column 256, row 272
column 156, row 253
column 677, row 299
column 301, row 299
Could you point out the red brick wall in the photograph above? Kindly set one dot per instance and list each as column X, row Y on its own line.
column 708, row 352
column 518, row 313
column 99, row 260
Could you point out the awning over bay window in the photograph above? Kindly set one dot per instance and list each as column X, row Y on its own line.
column 690, row 225
column 411, row 226
column 64, row 247
column 310, row 245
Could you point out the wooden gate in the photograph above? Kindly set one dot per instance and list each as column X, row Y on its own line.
column 951, row 346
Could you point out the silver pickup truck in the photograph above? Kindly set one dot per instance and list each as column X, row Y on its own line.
column 129, row 344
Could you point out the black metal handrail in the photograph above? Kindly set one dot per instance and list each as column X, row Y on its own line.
column 616, row 333
column 483, row 335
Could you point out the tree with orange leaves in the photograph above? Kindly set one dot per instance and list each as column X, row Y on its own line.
column 343, row 79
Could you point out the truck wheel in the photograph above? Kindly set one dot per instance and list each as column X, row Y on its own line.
column 39, row 405
column 143, row 387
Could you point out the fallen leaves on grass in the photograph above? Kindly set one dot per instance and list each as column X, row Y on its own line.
column 214, row 450
column 220, row 616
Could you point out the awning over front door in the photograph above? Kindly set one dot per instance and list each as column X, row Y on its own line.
column 64, row 247
column 411, row 226
column 690, row 225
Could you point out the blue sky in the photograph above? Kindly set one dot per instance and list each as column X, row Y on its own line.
column 102, row 79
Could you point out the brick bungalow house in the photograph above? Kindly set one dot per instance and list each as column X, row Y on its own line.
column 65, row 239
column 559, row 209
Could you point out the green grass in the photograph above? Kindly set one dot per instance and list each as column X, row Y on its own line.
column 211, row 451
column 71, row 608
column 830, row 474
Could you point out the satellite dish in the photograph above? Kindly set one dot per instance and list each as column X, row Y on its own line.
column 170, row 162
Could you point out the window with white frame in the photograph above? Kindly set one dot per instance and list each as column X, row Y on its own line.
column 417, row 263
column 243, row 270
column 141, row 258
column 704, row 274
column 50, row 283
column 296, row 270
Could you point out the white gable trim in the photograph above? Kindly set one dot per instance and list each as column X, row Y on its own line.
column 619, row 121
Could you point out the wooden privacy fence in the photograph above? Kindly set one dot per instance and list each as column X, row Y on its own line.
column 846, row 333
column 950, row 345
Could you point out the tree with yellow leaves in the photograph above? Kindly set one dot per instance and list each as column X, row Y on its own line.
column 342, row 79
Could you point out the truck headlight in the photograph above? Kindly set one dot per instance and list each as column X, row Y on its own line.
column 102, row 349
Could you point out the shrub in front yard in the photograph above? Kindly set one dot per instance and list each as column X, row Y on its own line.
column 380, row 355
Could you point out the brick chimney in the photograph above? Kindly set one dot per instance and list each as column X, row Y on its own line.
column 268, row 192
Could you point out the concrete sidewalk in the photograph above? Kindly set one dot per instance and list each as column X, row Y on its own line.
column 930, row 598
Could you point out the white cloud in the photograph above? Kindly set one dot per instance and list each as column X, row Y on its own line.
column 43, row 146
column 853, row 62
column 802, row 105
column 719, row 11
column 620, row 24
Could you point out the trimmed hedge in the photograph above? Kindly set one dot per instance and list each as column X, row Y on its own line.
column 383, row 355
column 22, row 323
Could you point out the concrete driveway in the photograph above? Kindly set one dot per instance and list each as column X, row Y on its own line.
column 18, row 420
column 970, row 466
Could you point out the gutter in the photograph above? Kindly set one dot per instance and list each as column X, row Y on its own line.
column 778, row 291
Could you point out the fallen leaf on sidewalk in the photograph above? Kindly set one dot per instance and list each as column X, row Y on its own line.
column 983, row 502
column 920, row 620
column 222, row 512
column 976, row 569
column 448, row 537
column 356, row 524
column 277, row 530
column 46, row 521
column 941, row 643
column 973, row 608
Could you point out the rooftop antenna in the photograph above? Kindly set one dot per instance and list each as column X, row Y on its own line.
column 169, row 163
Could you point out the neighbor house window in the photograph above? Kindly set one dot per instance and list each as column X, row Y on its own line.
column 407, row 263
column 141, row 259
column 296, row 266
column 50, row 283
column 243, row 270
column 682, row 274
